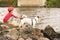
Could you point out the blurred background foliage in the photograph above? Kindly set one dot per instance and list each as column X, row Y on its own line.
column 8, row 3
column 52, row 3
column 49, row 3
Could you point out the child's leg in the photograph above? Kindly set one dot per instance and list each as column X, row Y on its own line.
column 7, row 25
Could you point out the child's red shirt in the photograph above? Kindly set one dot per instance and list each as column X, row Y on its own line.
column 6, row 18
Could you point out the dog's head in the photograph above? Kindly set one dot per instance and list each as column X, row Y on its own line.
column 37, row 16
column 24, row 16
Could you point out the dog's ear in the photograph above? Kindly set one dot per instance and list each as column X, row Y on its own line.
column 38, row 16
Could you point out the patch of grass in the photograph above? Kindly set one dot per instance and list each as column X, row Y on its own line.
column 53, row 3
column 8, row 3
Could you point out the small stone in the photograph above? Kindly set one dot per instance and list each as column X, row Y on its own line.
column 42, row 38
column 20, row 39
column 28, row 39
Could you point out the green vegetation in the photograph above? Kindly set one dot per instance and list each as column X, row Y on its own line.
column 8, row 3
column 53, row 3
column 49, row 3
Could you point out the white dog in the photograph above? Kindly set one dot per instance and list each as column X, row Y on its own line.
column 29, row 21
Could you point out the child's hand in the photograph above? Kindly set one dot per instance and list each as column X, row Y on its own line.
column 18, row 18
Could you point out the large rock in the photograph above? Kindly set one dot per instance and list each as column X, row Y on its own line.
column 9, row 34
column 13, row 34
column 50, row 33
column 29, row 32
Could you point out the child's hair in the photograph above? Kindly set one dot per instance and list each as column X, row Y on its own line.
column 10, row 8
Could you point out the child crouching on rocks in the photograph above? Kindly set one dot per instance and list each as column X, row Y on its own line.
column 9, row 16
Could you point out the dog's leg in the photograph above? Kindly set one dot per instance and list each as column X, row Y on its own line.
column 21, row 24
column 33, row 25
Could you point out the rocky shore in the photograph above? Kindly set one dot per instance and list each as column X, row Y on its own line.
column 28, row 33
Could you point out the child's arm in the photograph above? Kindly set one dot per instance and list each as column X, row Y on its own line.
column 15, row 16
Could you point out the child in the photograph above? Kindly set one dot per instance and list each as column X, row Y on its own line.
column 9, row 15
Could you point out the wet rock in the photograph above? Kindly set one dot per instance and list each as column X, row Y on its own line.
column 28, row 39
column 34, row 38
column 20, row 39
column 42, row 38
column 56, row 38
column 50, row 33
column 26, row 32
column 8, row 34
column 29, row 32
column 37, row 32
column 12, row 34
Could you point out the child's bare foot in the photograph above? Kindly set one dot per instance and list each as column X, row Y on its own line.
column 6, row 27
